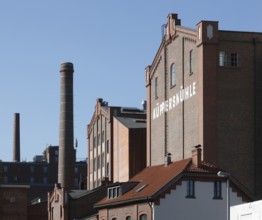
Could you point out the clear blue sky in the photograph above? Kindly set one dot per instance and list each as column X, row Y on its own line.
column 110, row 43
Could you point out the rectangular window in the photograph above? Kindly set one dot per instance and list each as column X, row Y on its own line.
column 222, row 58
column 190, row 189
column 107, row 146
column 94, row 164
column 217, row 190
column 190, row 61
column 103, row 137
column 173, row 75
column 76, row 169
column 156, row 87
column 32, row 180
column 234, row 59
column 45, row 169
column 98, row 162
column 113, row 192
column 107, row 169
column 5, row 168
column 44, row 180
column 32, row 169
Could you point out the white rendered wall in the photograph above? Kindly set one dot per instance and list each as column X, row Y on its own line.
column 176, row 206
column 248, row 211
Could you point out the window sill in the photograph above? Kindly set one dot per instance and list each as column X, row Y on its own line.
column 218, row 198
column 190, row 197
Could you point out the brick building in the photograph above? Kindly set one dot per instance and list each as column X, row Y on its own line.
column 114, row 134
column 205, row 87
column 41, row 172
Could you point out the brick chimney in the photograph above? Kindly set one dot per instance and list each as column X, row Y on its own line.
column 197, row 156
column 66, row 128
column 16, row 145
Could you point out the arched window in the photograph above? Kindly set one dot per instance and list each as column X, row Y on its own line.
column 128, row 218
column 143, row 217
column 173, row 75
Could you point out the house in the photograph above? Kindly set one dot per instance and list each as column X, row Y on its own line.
column 204, row 86
column 185, row 189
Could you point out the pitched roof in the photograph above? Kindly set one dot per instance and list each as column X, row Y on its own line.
column 150, row 182
column 155, row 180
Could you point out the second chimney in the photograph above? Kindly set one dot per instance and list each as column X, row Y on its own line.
column 16, row 144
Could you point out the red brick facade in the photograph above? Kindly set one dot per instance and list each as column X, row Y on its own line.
column 214, row 100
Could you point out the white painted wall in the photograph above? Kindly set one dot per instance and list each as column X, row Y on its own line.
column 176, row 206
column 248, row 211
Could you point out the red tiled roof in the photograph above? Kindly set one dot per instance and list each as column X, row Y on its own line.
column 205, row 167
column 153, row 179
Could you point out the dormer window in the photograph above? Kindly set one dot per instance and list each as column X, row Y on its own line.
column 113, row 192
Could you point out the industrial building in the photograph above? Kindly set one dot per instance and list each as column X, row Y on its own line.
column 204, row 87
column 116, row 143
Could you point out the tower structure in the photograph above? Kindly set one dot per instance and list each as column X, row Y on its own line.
column 66, row 129
column 16, row 146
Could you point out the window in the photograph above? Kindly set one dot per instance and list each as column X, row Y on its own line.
column 173, row 75
column 190, row 189
column 32, row 169
column 222, row 58
column 76, row 169
column 44, row 180
column 217, row 190
column 15, row 179
column 94, row 163
column 5, row 179
column 98, row 162
column 103, row 137
column 143, row 217
column 76, row 182
column 113, row 192
column 156, row 87
column 5, row 168
column 107, row 146
column 56, row 152
column 103, row 159
column 45, row 169
column 98, row 139
column 234, row 59
column 32, row 180
column 190, row 61
column 113, row 218
column 128, row 218
column 94, row 142
column 107, row 169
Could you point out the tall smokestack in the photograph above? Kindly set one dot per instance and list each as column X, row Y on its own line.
column 66, row 129
column 16, row 146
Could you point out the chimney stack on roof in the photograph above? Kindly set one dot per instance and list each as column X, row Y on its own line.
column 16, row 144
column 66, row 128
column 197, row 156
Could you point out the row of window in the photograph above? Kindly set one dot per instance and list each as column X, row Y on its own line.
column 217, row 189
column 225, row 60
column 99, row 139
column 141, row 217
column 32, row 169
column 15, row 180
